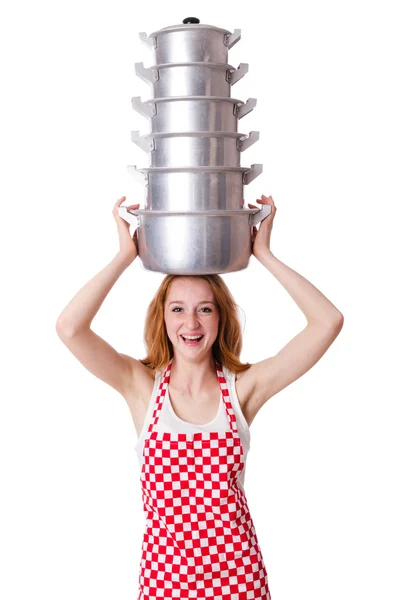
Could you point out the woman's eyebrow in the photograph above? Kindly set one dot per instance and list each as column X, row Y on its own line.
column 181, row 302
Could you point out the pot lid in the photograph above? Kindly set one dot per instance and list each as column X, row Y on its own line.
column 189, row 23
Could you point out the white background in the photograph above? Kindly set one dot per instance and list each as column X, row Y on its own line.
column 321, row 476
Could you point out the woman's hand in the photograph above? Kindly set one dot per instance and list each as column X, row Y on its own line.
column 261, row 238
column 128, row 244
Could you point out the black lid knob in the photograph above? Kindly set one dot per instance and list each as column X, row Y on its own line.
column 191, row 20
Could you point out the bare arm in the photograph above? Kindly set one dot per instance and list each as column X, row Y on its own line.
column 83, row 307
column 74, row 323
column 314, row 305
column 324, row 323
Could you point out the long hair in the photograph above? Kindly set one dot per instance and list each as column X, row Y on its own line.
column 227, row 346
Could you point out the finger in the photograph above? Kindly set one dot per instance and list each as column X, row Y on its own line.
column 116, row 206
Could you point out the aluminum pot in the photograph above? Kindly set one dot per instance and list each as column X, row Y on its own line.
column 199, row 243
column 191, row 42
column 194, row 113
column 191, row 149
column 195, row 188
column 191, row 79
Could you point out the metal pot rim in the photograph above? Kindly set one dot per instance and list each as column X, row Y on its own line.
column 230, row 134
column 206, row 98
column 193, row 169
column 207, row 213
column 214, row 65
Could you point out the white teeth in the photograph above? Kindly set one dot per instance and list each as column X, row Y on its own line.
column 192, row 337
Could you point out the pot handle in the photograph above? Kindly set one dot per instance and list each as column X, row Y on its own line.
column 148, row 75
column 147, row 109
column 233, row 76
column 141, row 177
column 126, row 214
column 243, row 109
column 245, row 141
column 144, row 144
column 252, row 174
column 150, row 42
column 257, row 217
column 233, row 38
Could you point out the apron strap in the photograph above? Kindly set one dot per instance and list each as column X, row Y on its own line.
column 222, row 384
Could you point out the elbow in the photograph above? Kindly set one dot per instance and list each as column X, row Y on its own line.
column 337, row 323
column 62, row 329
column 340, row 320
column 332, row 321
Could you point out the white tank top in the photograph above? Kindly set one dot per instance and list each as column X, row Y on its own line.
column 169, row 422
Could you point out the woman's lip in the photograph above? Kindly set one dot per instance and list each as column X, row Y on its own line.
column 191, row 334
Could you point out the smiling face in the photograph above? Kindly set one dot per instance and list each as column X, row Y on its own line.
column 190, row 309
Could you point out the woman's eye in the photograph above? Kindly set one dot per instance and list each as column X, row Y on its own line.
column 178, row 308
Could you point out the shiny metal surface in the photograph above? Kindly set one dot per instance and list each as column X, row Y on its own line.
column 191, row 79
column 249, row 174
column 194, row 221
column 192, row 149
column 191, row 43
column 195, row 243
column 194, row 190
column 194, row 113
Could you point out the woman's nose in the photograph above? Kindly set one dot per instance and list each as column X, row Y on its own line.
column 192, row 319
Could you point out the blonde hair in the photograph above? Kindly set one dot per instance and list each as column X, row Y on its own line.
column 227, row 346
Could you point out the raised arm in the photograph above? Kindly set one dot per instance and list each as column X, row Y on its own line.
column 324, row 323
column 74, row 323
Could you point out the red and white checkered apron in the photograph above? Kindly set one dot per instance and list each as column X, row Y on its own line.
column 200, row 541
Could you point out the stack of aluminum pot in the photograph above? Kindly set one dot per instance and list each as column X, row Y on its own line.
column 194, row 221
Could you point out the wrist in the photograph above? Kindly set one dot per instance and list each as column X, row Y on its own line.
column 265, row 255
column 124, row 259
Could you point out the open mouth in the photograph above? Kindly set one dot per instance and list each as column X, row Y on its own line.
column 194, row 342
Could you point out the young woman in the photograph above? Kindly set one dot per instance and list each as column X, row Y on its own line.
column 192, row 402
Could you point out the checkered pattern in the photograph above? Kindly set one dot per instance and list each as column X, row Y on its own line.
column 200, row 541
